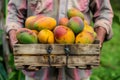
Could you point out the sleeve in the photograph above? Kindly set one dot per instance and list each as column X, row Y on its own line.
column 16, row 14
column 102, row 15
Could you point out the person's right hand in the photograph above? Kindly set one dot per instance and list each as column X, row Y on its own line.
column 12, row 38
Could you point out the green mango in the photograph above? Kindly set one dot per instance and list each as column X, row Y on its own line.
column 26, row 38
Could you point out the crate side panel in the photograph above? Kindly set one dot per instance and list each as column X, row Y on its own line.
column 56, row 49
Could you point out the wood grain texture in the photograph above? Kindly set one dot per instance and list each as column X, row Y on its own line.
column 56, row 49
column 33, row 56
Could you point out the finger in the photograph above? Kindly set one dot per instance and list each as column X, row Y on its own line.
column 100, row 42
column 100, row 46
column 13, row 39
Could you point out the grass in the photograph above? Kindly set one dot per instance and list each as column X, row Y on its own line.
column 110, row 55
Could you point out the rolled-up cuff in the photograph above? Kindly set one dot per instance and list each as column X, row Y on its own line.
column 12, row 25
column 105, row 24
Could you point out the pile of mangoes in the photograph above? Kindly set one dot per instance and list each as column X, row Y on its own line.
column 69, row 30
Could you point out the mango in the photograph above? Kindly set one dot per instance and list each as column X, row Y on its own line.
column 85, row 37
column 26, row 36
column 45, row 23
column 35, row 31
column 89, row 28
column 64, row 35
column 29, row 23
column 76, row 24
column 46, row 36
column 63, row 21
column 75, row 12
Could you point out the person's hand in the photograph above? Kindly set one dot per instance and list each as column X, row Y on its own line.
column 101, row 33
column 12, row 38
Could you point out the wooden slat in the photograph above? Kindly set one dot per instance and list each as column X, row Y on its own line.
column 34, row 56
column 59, row 61
column 56, row 49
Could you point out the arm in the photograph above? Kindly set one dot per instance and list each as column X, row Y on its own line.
column 102, row 17
column 15, row 18
column 16, row 14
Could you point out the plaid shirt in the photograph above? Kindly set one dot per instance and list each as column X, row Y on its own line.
column 102, row 15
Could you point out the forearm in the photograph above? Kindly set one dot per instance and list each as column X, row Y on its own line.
column 106, row 26
column 102, row 16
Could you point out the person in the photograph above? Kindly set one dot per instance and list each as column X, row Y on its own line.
column 102, row 14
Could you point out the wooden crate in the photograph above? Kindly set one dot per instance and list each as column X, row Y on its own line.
column 34, row 56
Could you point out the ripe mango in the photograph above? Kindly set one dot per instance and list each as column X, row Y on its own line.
column 29, row 23
column 85, row 37
column 45, row 23
column 35, row 31
column 76, row 24
column 74, row 12
column 89, row 28
column 46, row 36
column 63, row 21
column 64, row 35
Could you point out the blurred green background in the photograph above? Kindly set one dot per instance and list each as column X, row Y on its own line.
column 110, row 54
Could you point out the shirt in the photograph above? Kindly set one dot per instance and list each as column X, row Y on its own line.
column 52, row 73
column 100, row 10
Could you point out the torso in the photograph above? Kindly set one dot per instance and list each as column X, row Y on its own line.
column 51, row 7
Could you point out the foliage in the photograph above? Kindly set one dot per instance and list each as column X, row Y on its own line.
column 15, row 74
column 110, row 57
column 3, row 74
column 1, row 31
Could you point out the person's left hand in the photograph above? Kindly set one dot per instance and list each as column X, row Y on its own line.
column 101, row 33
